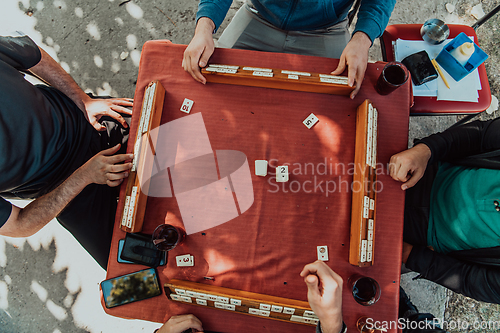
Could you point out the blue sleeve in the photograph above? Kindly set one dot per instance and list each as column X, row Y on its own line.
column 19, row 52
column 5, row 210
column 373, row 17
column 215, row 10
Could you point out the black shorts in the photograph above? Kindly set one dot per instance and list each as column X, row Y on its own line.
column 91, row 214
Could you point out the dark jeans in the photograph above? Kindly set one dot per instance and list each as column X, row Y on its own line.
column 417, row 208
column 422, row 323
column 90, row 215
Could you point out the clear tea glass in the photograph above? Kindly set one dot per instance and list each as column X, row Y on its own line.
column 393, row 76
column 166, row 237
column 365, row 290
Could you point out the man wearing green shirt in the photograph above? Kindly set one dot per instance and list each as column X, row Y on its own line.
column 452, row 210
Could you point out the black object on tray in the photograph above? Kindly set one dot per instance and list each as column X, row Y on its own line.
column 139, row 248
column 420, row 66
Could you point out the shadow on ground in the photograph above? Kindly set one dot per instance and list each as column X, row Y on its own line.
column 50, row 308
column 99, row 42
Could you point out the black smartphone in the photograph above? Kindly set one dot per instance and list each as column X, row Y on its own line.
column 163, row 260
column 130, row 288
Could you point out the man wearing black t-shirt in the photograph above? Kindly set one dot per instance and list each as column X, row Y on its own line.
column 57, row 147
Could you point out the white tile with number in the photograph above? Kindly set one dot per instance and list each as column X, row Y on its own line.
column 310, row 121
column 282, row 173
column 186, row 260
column 187, row 105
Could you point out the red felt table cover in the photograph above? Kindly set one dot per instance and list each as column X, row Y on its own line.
column 264, row 249
column 425, row 105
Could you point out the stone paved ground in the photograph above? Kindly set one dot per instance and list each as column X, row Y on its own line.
column 48, row 283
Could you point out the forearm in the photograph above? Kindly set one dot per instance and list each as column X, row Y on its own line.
column 324, row 327
column 215, row 10
column 480, row 282
column 51, row 72
column 205, row 26
column 462, row 141
column 362, row 40
column 27, row 221
column 373, row 17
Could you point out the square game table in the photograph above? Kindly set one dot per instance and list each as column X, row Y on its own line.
column 264, row 248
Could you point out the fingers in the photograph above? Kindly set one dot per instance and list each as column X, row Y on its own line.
column 340, row 67
column 110, row 151
column 98, row 126
column 123, row 101
column 107, row 168
column 312, row 283
column 118, row 117
column 178, row 324
column 194, row 68
column 319, row 268
column 398, row 168
column 196, row 73
column 119, row 167
column 205, row 56
column 403, row 173
column 415, row 177
column 313, row 268
column 191, row 61
column 351, row 74
column 192, row 322
column 351, row 78
column 409, row 166
column 115, row 178
column 115, row 159
column 309, row 269
column 116, row 173
column 114, row 183
column 121, row 109
column 187, row 64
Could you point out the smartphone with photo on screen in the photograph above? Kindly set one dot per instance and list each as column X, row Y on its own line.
column 130, row 288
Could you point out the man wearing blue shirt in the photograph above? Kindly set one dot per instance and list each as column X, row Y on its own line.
column 316, row 28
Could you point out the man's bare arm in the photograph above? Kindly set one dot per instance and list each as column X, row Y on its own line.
column 51, row 72
column 103, row 168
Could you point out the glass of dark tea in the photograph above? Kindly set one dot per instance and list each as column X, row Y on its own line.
column 364, row 327
column 365, row 290
column 166, row 237
column 393, row 76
